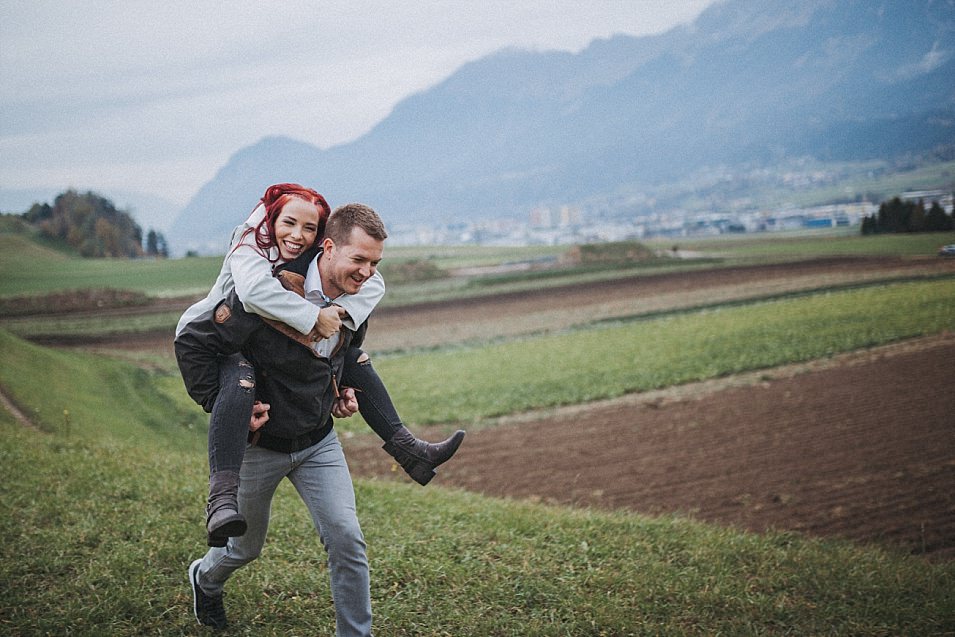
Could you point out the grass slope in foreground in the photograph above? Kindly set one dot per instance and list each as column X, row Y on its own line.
column 98, row 537
column 99, row 529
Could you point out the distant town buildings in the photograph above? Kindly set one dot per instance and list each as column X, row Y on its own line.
column 568, row 225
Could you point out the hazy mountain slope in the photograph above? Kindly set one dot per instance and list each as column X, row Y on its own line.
column 750, row 81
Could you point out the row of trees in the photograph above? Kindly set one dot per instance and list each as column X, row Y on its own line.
column 896, row 215
column 156, row 245
column 94, row 227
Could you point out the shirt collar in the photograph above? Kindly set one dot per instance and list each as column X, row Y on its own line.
column 313, row 284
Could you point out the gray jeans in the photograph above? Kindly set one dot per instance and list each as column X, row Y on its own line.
column 321, row 477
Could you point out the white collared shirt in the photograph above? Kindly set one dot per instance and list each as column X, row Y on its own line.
column 315, row 294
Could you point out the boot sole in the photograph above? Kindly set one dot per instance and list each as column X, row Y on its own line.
column 421, row 472
column 231, row 527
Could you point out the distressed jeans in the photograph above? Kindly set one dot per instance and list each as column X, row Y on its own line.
column 320, row 475
column 229, row 420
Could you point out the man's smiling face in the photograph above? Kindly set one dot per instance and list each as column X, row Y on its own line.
column 344, row 268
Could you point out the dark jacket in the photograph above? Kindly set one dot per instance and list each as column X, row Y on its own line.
column 300, row 386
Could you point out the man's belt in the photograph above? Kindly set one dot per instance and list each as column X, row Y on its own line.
column 288, row 445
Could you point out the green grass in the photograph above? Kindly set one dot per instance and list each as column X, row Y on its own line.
column 77, row 395
column 838, row 242
column 27, row 268
column 67, row 325
column 466, row 384
column 594, row 362
column 101, row 511
column 453, row 257
column 98, row 537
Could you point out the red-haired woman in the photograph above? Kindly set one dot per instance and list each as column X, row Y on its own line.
column 288, row 222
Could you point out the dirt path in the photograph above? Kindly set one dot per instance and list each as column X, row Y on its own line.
column 860, row 447
column 14, row 411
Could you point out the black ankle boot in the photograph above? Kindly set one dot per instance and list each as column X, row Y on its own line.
column 223, row 519
column 419, row 458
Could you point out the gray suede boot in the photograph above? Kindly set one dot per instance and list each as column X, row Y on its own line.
column 419, row 458
column 223, row 519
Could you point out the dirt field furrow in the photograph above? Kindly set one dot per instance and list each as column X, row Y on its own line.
column 862, row 448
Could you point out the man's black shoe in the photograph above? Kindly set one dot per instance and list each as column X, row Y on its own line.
column 208, row 608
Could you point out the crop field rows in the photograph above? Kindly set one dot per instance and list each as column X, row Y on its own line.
column 831, row 451
column 533, row 310
column 841, row 448
column 547, row 310
column 838, row 457
column 802, row 401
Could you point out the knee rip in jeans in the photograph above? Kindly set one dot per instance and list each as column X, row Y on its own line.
column 248, row 382
column 364, row 359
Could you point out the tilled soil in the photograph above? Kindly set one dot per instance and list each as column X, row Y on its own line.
column 860, row 447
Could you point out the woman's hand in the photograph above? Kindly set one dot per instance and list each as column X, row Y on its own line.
column 329, row 322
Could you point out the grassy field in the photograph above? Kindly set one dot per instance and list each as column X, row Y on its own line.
column 52, row 272
column 99, row 529
column 102, row 501
column 452, row 384
column 29, row 268
column 78, row 395
column 836, row 242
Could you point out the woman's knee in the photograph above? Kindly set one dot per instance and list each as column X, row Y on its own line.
column 356, row 356
column 357, row 367
column 236, row 371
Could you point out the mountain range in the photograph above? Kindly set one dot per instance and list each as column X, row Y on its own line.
column 752, row 82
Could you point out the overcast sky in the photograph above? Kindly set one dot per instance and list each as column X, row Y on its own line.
column 156, row 96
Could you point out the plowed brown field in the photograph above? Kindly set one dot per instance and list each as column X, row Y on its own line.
column 862, row 447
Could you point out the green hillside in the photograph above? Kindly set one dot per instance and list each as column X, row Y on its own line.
column 102, row 512
column 93, row 398
column 102, row 501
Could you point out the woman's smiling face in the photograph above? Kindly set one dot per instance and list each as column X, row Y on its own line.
column 296, row 228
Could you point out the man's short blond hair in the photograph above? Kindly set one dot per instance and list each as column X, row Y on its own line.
column 346, row 218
